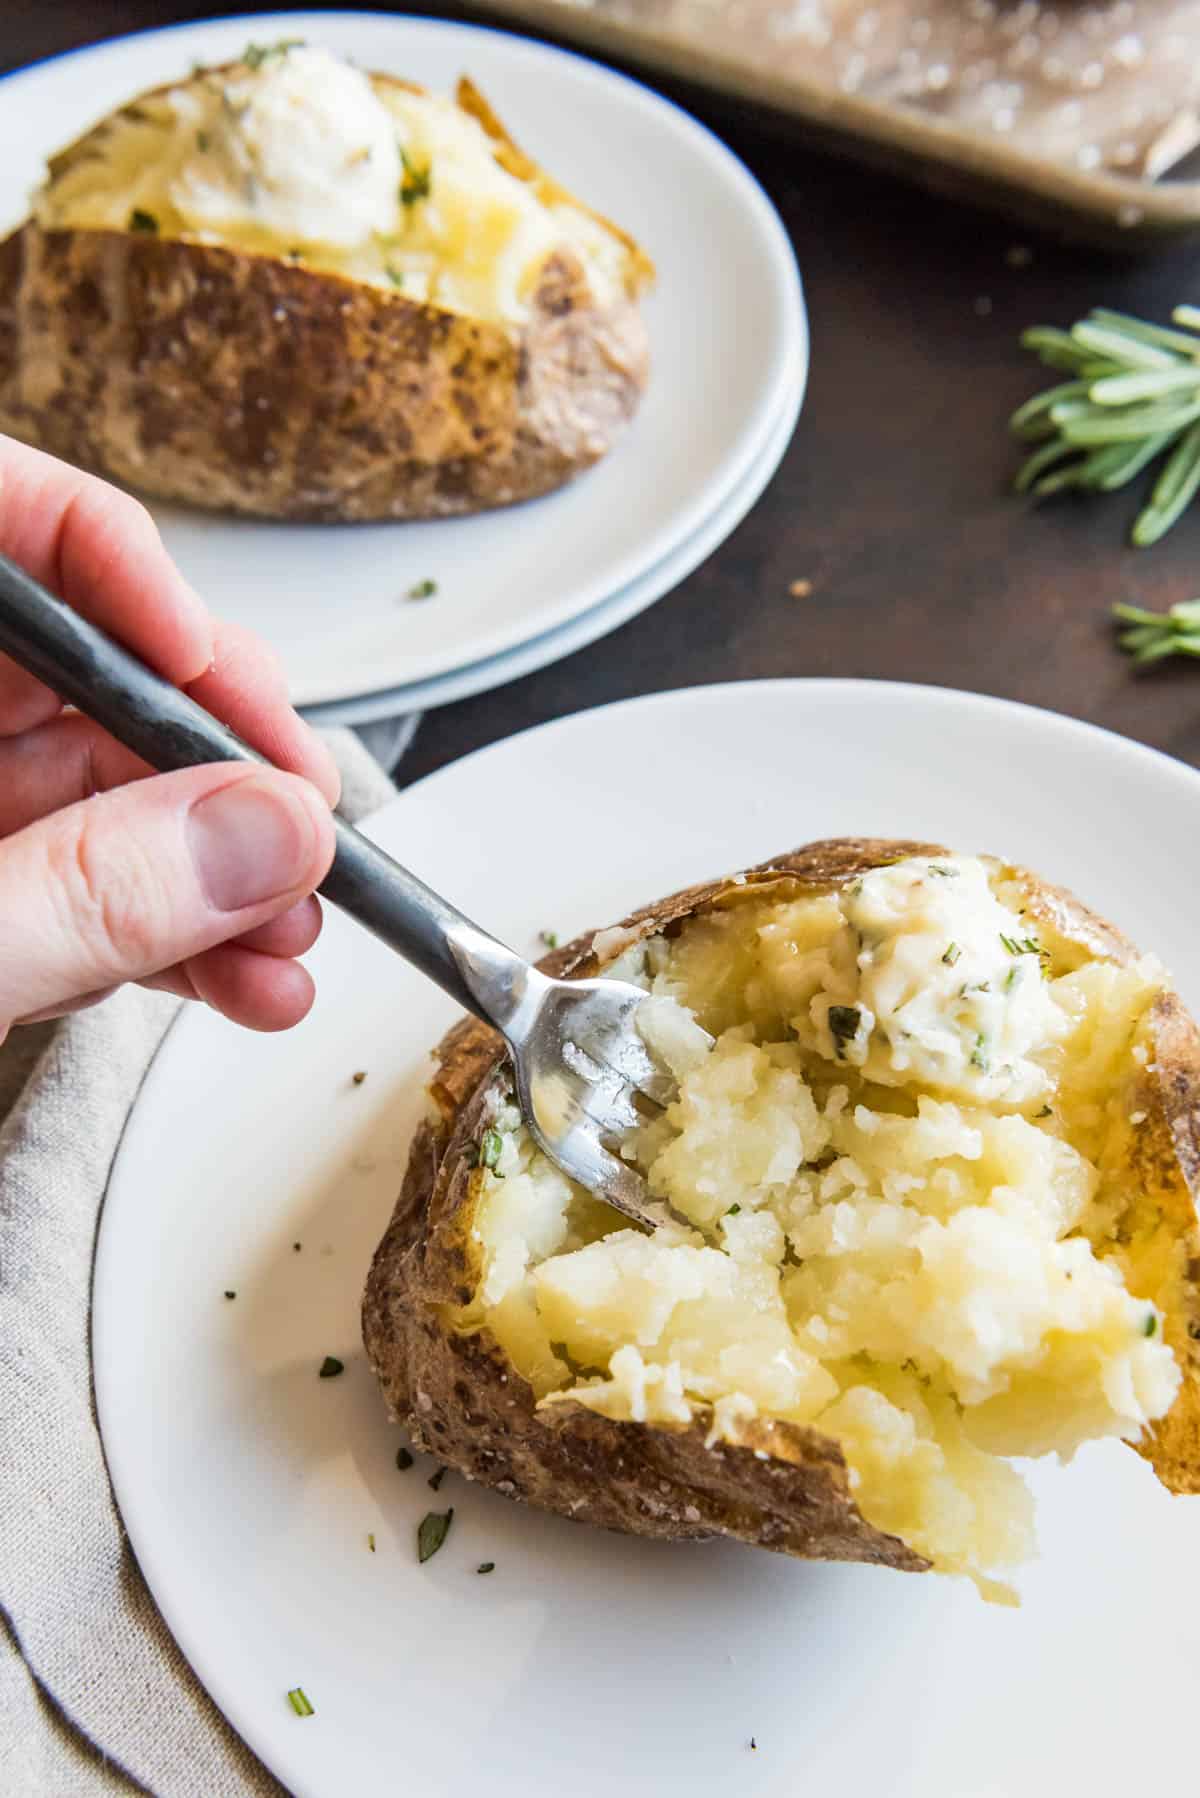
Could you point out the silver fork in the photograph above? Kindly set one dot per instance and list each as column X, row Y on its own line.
column 583, row 1075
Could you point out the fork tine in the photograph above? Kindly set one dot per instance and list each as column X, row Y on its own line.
column 604, row 1095
column 581, row 1154
column 629, row 1058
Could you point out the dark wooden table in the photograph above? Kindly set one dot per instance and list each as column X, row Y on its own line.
column 893, row 500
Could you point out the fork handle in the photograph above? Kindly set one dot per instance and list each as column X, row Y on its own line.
column 169, row 731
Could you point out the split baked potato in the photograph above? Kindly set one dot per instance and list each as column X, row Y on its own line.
column 932, row 1176
column 289, row 288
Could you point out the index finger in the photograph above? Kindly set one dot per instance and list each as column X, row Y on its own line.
column 99, row 549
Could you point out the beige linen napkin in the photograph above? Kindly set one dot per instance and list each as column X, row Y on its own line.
column 95, row 1697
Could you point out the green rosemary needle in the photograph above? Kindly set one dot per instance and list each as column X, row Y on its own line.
column 1133, row 395
column 1149, row 636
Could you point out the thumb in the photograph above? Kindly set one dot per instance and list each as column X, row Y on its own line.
column 133, row 881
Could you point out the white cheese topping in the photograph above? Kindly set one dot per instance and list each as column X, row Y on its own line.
column 946, row 988
column 298, row 154
column 300, row 147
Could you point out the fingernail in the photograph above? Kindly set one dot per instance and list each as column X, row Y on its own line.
column 253, row 840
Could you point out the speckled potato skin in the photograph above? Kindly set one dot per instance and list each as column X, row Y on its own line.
column 238, row 382
column 778, row 1485
column 245, row 383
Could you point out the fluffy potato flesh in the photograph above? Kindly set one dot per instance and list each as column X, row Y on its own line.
column 895, row 1181
column 297, row 154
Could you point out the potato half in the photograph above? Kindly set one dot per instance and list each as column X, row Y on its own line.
column 288, row 288
column 936, row 1160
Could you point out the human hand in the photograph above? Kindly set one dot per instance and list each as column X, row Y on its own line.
column 197, row 883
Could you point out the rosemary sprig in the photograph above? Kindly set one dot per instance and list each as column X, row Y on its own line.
column 1149, row 636
column 1133, row 395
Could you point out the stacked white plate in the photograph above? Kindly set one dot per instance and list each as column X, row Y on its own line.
column 518, row 588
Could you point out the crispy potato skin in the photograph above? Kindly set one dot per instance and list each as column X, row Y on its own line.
column 244, row 383
column 778, row 1486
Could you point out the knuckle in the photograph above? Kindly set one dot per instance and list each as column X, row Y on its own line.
column 117, row 524
column 243, row 654
column 110, row 900
column 129, row 514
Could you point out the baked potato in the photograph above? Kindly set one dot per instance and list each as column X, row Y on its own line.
column 931, row 1177
column 289, row 288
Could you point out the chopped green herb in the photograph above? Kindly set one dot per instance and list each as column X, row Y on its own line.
column 486, row 1567
column 854, row 889
column 432, row 1531
column 435, row 1479
column 422, row 590
column 1011, row 944
column 733, row 1211
column 1012, row 977
column 416, row 182
column 404, row 1459
column 979, row 1053
column 359, row 1077
column 295, row 253
column 371, row 1541
column 202, row 140
column 953, row 954
column 491, row 1144
column 139, row 220
column 331, row 1367
column 254, row 55
column 1045, row 1112
column 844, row 1021
column 1150, row 1325
column 394, row 275
column 299, row 1702
column 943, row 873
column 230, row 1295
column 549, row 937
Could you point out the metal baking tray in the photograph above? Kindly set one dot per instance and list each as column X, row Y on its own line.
column 1077, row 116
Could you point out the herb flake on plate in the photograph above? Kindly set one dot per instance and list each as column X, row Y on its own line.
column 432, row 1531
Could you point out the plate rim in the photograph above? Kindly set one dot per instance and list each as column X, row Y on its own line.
column 598, row 621
column 163, row 1587
column 771, row 235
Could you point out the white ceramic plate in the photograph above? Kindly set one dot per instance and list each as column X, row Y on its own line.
column 726, row 325
column 482, row 677
column 589, row 1663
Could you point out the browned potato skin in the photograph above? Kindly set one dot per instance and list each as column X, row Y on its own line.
column 248, row 384
column 462, row 1401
